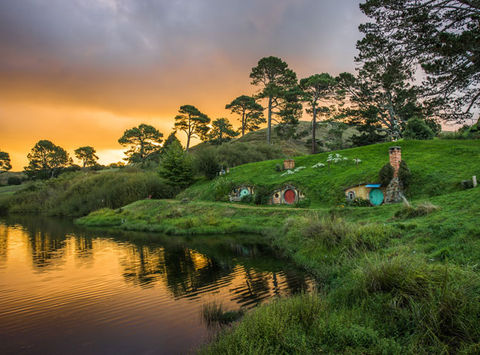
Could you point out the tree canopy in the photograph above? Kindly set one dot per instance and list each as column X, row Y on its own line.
column 86, row 155
column 5, row 164
column 275, row 80
column 193, row 122
column 142, row 141
column 46, row 160
column 221, row 131
column 441, row 36
column 251, row 113
column 176, row 166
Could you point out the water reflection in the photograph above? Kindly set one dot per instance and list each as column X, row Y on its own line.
column 54, row 274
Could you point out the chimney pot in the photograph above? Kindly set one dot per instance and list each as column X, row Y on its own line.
column 395, row 158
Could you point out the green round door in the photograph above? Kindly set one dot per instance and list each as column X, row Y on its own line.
column 376, row 197
column 244, row 192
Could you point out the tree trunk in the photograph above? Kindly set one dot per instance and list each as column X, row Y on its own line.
column 243, row 123
column 188, row 142
column 269, row 124
column 314, row 128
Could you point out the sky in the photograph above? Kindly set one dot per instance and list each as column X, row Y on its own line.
column 81, row 72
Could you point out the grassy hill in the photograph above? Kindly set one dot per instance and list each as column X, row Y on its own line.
column 437, row 167
column 393, row 279
column 332, row 135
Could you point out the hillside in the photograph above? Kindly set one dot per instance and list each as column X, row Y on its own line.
column 437, row 166
column 332, row 135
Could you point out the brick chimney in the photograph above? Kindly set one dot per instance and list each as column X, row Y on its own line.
column 395, row 159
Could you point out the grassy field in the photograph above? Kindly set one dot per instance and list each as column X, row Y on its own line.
column 438, row 167
column 394, row 279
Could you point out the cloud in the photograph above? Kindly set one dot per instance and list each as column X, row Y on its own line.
column 145, row 58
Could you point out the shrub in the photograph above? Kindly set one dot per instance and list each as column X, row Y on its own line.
column 176, row 167
column 222, row 188
column 247, row 199
column 206, row 163
column 278, row 167
column 14, row 180
column 385, row 174
column 77, row 194
column 360, row 202
column 404, row 174
column 303, row 203
column 417, row 128
column 262, row 195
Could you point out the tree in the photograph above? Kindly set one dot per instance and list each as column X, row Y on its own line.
column 380, row 93
column 170, row 139
column 319, row 89
column 275, row 78
column 251, row 113
column 176, row 166
column 46, row 160
column 143, row 141
column 443, row 37
column 417, row 128
column 206, row 162
column 86, row 155
column 193, row 122
column 5, row 164
column 221, row 131
column 290, row 111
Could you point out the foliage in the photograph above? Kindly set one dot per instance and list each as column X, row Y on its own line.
column 262, row 194
column 77, row 194
column 251, row 113
column 275, row 80
column 206, row 162
column 14, row 180
column 5, row 164
column 172, row 137
column 46, row 160
column 176, row 167
column 360, row 202
column 222, row 131
column 193, row 122
column 86, row 155
column 440, row 36
column 214, row 313
column 417, row 128
column 143, row 141
column 318, row 90
column 404, row 174
column 385, row 175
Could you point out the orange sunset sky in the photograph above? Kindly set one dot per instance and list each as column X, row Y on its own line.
column 80, row 72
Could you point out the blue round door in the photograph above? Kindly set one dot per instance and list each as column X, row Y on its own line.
column 244, row 192
column 376, row 197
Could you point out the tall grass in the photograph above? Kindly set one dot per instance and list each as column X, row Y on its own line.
column 77, row 194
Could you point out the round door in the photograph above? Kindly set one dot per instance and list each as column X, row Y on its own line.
column 289, row 196
column 376, row 197
column 244, row 192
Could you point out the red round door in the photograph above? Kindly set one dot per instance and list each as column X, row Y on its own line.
column 289, row 196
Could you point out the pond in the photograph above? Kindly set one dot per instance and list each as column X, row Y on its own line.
column 66, row 290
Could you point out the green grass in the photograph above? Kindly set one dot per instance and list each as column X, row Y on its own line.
column 438, row 167
column 77, row 194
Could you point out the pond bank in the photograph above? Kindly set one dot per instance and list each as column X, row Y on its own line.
column 394, row 279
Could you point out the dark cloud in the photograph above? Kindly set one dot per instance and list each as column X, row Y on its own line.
column 143, row 58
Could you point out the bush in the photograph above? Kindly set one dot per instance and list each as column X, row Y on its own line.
column 262, row 195
column 222, row 188
column 206, row 163
column 14, row 180
column 404, row 174
column 176, row 167
column 77, row 194
column 385, row 174
column 417, row 128
column 360, row 202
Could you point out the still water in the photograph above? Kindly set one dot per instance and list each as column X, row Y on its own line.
column 65, row 290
